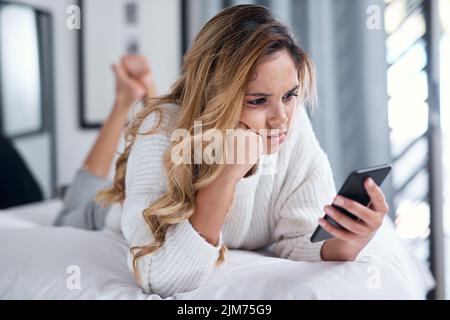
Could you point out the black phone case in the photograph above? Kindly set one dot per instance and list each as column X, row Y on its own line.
column 353, row 188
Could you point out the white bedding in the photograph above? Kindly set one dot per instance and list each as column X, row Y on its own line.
column 42, row 213
column 38, row 262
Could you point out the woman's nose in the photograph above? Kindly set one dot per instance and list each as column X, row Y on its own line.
column 278, row 116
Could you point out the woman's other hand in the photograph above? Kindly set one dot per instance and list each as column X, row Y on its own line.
column 245, row 147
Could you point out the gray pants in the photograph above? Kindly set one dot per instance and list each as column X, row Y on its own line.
column 80, row 209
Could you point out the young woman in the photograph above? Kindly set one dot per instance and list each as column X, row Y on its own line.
column 243, row 72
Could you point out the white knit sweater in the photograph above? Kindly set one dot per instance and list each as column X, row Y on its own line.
column 279, row 204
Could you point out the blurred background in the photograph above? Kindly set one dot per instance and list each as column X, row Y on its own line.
column 383, row 76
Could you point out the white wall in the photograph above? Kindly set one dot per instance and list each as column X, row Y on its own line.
column 73, row 143
column 106, row 37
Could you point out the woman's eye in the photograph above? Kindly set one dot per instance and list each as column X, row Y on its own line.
column 290, row 95
column 257, row 102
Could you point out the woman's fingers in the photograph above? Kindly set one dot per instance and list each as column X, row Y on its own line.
column 127, row 88
column 242, row 125
column 357, row 227
column 336, row 232
column 362, row 212
column 372, row 216
column 244, row 148
column 378, row 201
column 119, row 71
column 136, row 66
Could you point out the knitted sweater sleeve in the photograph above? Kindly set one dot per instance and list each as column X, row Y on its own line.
column 308, row 187
column 186, row 258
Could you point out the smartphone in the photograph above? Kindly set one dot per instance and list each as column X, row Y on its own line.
column 353, row 188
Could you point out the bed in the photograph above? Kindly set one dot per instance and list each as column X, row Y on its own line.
column 42, row 262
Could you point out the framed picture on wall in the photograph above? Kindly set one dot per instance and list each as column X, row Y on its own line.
column 112, row 28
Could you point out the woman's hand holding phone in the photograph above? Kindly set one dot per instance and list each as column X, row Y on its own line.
column 348, row 242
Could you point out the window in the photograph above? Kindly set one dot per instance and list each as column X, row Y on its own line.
column 414, row 134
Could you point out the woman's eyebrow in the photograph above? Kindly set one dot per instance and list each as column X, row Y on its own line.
column 260, row 94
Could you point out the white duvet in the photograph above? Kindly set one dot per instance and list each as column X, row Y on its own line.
column 39, row 262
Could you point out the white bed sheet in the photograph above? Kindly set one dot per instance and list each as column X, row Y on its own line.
column 36, row 263
column 42, row 213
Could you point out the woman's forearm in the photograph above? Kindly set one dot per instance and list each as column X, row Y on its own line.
column 213, row 202
column 211, row 206
column 100, row 157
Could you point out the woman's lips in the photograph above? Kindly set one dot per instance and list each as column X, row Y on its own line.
column 277, row 139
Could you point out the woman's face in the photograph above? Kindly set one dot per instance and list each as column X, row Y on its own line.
column 270, row 100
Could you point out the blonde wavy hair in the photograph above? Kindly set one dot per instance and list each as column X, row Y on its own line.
column 211, row 89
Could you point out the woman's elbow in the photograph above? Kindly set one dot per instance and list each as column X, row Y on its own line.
column 167, row 283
